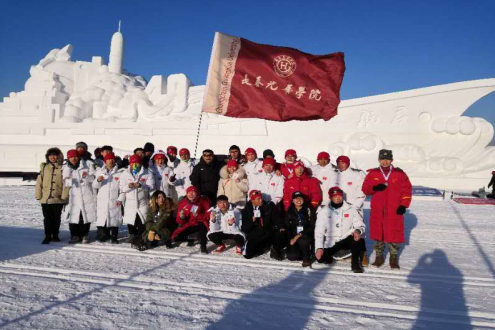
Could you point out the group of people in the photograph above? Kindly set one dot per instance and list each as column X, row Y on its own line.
column 298, row 212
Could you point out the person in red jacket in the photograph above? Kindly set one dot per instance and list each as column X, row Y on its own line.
column 391, row 193
column 193, row 219
column 287, row 168
column 307, row 185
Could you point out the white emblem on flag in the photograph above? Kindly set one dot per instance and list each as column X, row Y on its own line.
column 284, row 65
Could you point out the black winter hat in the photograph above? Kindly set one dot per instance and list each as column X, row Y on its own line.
column 297, row 194
column 82, row 145
column 149, row 147
column 385, row 154
column 268, row 152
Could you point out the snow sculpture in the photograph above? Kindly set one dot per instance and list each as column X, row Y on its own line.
column 67, row 101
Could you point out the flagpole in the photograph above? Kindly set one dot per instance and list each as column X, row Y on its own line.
column 197, row 136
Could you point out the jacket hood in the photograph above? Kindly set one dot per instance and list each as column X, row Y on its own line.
column 224, row 174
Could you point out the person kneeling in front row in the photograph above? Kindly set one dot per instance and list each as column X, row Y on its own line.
column 225, row 222
column 339, row 226
column 160, row 222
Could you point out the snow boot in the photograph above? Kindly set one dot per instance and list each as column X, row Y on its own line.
column 130, row 239
column 85, row 240
column 138, row 244
column 306, row 263
column 394, row 262
column 191, row 242
column 168, row 244
column 275, row 254
column 75, row 240
column 204, row 250
column 114, row 240
column 364, row 259
column 55, row 238
column 356, row 267
column 47, row 240
column 379, row 261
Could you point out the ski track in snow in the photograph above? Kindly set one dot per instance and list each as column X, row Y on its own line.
column 446, row 281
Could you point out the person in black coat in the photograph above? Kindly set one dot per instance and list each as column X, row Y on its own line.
column 300, row 220
column 206, row 174
column 261, row 225
column 492, row 184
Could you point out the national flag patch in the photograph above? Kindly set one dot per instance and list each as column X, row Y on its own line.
column 349, row 183
column 273, row 184
column 346, row 215
column 324, row 178
column 116, row 178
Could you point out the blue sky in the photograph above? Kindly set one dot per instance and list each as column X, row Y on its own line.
column 389, row 45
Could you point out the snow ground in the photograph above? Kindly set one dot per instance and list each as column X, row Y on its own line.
column 446, row 281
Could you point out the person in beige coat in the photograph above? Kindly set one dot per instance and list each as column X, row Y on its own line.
column 233, row 183
column 49, row 192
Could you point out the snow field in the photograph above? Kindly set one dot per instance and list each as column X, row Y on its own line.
column 446, row 281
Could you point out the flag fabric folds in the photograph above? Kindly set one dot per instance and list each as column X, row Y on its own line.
column 250, row 80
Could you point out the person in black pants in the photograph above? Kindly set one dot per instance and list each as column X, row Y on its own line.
column 262, row 227
column 206, row 174
column 300, row 220
column 224, row 225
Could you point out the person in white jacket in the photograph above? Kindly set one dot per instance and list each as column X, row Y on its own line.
column 339, row 226
column 180, row 180
column 161, row 174
column 270, row 184
column 253, row 166
column 172, row 156
column 324, row 171
column 109, row 206
column 80, row 210
column 136, row 182
column 225, row 224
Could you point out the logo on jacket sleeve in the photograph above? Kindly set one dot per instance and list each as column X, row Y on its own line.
column 346, row 215
column 324, row 178
column 273, row 184
column 349, row 183
column 143, row 179
column 116, row 178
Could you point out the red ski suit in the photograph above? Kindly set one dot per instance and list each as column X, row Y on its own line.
column 308, row 186
column 385, row 224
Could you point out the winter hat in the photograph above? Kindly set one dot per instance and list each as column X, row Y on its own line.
column 234, row 147
column 192, row 188
column 250, row 151
column 160, row 155
column 493, row 172
column 172, row 150
column 385, row 154
column 344, row 159
column 135, row 159
column 72, row 153
column 82, row 145
column 299, row 164
column 232, row 163
column 108, row 156
column 268, row 152
column 297, row 194
column 52, row 151
column 323, row 155
column 253, row 194
column 184, row 151
column 334, row 191
column 149, row 147
column 291, row 152
column 269, row 161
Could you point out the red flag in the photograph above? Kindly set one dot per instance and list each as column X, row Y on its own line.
column 250, row 80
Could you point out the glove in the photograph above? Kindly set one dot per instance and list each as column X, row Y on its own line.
column 380, row 187
column 151, row 236
column 401, row 210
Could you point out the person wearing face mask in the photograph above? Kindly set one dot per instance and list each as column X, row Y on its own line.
column 391, row 193
column 180, row 179
column 339, row 226
column 300, row 221
column 49, row 192
column 80, row 210
column 162, row 173
column 225, row 222
column 136, row 183
column 109, row 210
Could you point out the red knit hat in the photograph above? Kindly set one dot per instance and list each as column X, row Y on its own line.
column 135, row 159
column 269, row 161
column 191, row 188
column 72, row 153
column 253, row 194
column 299, row 164
column 159, row 156
column 172, row 150
column 232, row 163
column 493, row 172
column 323, row 155
column 108, row 156
column 250, row 151
column 344, row 159
column 184, row 151
column 290, row 152
column 334, row 191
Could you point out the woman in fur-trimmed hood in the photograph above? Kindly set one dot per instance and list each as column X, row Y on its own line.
column 233, row 183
